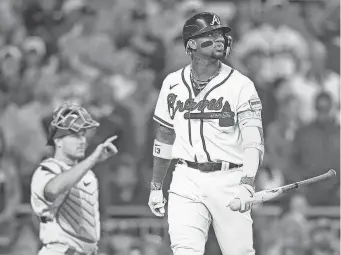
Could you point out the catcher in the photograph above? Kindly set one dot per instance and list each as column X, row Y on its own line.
column 64, row 190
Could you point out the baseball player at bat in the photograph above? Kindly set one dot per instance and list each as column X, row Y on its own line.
column 209, row 117
column 64, row 190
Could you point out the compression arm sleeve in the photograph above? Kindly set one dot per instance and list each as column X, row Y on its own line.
column 250, row 124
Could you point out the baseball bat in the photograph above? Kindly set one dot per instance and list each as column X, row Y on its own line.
column 266, row 195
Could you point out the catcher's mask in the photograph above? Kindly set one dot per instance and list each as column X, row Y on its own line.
column 68, row 119
column 202, row 23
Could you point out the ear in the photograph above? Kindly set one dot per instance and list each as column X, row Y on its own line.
column 58, row 142
column 192, row 44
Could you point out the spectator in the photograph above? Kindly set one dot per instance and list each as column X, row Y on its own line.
column 152, row 245
column 164, row 14
column 328, row 79
column 125, row 66
column 149, row 47
column 10, row 80
column 316, row 149
column 126, row 188
column 176, row 57
column 44, row 19
column 9, row 19
column 123, row 242
column 33, row 16
column 87, row 50
column 330, row 34
column 114, row 118
column 10, row 197
column 280, row 134
column 175, row 49
column 323, row 240
column 255, row 61
column 291, row 234
column 279, row 40
column 141, row 104
column 309, row 81
column 34, row 50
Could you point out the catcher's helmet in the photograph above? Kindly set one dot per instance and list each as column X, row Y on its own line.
column 202, row 23
column 69, row 118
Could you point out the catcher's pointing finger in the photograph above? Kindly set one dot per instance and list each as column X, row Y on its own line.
column 111, row 139
column 109, row 146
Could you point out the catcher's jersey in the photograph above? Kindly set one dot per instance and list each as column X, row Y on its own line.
column 206, row 125
column 73, row 218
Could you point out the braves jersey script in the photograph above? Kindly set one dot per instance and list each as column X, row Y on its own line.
column 206, row 125
column 73, row 217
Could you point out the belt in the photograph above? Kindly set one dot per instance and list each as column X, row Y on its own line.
column 210, row 166
column 72, row 251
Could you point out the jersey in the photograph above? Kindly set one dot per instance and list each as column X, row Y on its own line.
column 207, row 125
column 73, row 217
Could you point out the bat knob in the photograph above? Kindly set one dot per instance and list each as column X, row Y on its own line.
column 332, row 172
column 235, row 205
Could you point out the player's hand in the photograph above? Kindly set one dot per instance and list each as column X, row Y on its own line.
column 244, row 195
column 157, row 202
column 105, row 150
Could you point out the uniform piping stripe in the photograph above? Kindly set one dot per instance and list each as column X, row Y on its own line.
column 202, row 122
column 161, row 121
column 189, row 121
column 47, row 169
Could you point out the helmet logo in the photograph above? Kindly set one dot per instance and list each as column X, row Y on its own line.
column 215, row 20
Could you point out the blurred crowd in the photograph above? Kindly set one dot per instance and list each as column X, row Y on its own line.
column 112, row 55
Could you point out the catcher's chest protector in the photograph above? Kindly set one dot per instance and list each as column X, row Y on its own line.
column 78, row 214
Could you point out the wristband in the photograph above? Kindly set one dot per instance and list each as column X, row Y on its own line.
column 162, row 150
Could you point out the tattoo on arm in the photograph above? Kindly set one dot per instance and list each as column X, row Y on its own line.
column 165, row 134
column 247, row 180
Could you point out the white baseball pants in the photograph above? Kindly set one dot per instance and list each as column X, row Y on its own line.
column 197, row 199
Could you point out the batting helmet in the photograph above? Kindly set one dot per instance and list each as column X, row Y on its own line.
column 67, row 119
column 202, row 23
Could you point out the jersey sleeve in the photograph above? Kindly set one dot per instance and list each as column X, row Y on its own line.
column 161, row 113
column 248, row 99
column 39, row 180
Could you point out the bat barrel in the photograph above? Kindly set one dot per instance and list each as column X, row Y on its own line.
column 330, row 174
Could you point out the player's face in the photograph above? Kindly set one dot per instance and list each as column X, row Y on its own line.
column 74, row 145
column 211, row 44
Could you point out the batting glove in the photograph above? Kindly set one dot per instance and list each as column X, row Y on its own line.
column 157, row 202
column 245, row 193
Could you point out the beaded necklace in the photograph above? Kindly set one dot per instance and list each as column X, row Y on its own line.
column 200, row 84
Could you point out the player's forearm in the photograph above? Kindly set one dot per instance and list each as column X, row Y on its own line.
column 162, row 155
column 253, row 145
column 66, row 180
column 251, row 161
column 160, row 168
